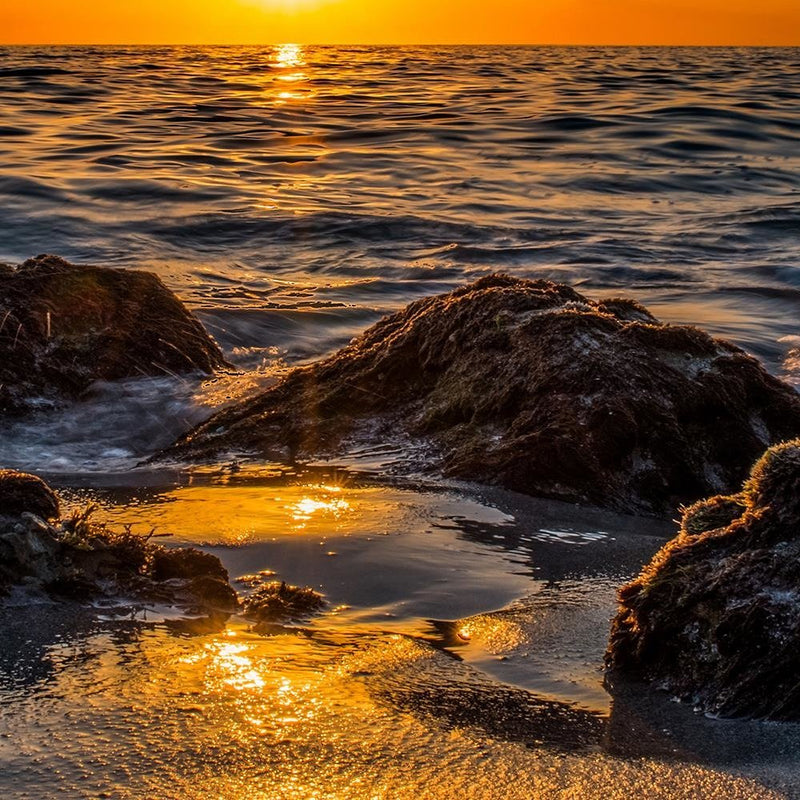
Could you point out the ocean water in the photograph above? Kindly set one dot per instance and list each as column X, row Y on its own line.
column 291, row 196
column 295, row 194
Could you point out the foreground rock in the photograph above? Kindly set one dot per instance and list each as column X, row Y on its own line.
column 715, row 617
column 62, row 327
column 532, row 386
column 276, row 602
column 78, row 559
column 20, row 493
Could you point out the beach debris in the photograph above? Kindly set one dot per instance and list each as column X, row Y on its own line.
column 76, row 558
column 714, row 618
column 531, row 386
column 63, row 327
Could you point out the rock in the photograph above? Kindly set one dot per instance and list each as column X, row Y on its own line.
column 63, row 326
column 212, row 592
column 532, row 386
column 714, row 618
column 78, row 559
column 277, row 601
column 185, row 562
column 20, row 493
column 200, row 575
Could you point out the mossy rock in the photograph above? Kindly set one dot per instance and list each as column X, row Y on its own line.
column 64, row 326
column 714, row 618
column 75, row 558
column 532, row 386
column 20, row 492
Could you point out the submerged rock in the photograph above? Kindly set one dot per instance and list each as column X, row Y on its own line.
column 278, row 601
column 63, row 326
column 714, row 618
column 79, row 559
column 533, row 386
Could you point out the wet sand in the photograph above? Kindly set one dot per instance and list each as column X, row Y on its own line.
column 459, row 656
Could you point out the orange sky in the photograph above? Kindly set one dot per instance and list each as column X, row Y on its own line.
column 401, row 21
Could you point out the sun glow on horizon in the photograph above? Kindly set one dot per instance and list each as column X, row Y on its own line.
column 288, row 6
column 775, row 22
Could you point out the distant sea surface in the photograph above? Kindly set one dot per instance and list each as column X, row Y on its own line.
column 293, row 195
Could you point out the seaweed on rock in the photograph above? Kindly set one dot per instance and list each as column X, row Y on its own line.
column 275, row 602
column 64, row 326
column 714, row 618
column 76, row 558
column 532, row 386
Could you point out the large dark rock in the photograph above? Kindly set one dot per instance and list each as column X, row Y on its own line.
column 20, row 492
column 78, row 559
column 715, row 617
column 64, row 326
column 532, row 386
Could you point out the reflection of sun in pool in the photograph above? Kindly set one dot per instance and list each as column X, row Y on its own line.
column 240, row 514
column 234, row 667
column 325, row 503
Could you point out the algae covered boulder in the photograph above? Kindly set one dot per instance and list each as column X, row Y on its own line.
column 714, row 618
column 75, row 558
column 63, row 326
column 20, row 493
column 532, row 386
column 277, row 601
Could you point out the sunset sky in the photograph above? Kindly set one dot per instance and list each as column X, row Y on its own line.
column 398, row 21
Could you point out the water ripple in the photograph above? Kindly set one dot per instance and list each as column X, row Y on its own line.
column 666, row 173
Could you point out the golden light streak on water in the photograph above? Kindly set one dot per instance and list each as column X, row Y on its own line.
column 291, row 57
column 323, row 503
column 240, row 514
column 288, row 56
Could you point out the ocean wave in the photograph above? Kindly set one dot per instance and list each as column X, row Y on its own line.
column 32, row 72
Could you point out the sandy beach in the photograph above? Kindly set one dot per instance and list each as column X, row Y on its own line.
column 459, row 654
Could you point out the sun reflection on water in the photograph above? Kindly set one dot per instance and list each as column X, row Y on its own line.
column 288, row 59
column 324, row 503
column 241, row 514
column 289, row 55
column 233, row 667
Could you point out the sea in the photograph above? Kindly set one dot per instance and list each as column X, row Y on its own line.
column 292, row 195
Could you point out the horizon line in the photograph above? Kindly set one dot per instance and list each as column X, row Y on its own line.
column 398, row 44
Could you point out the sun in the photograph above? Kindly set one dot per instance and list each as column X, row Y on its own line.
column 287, row 6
